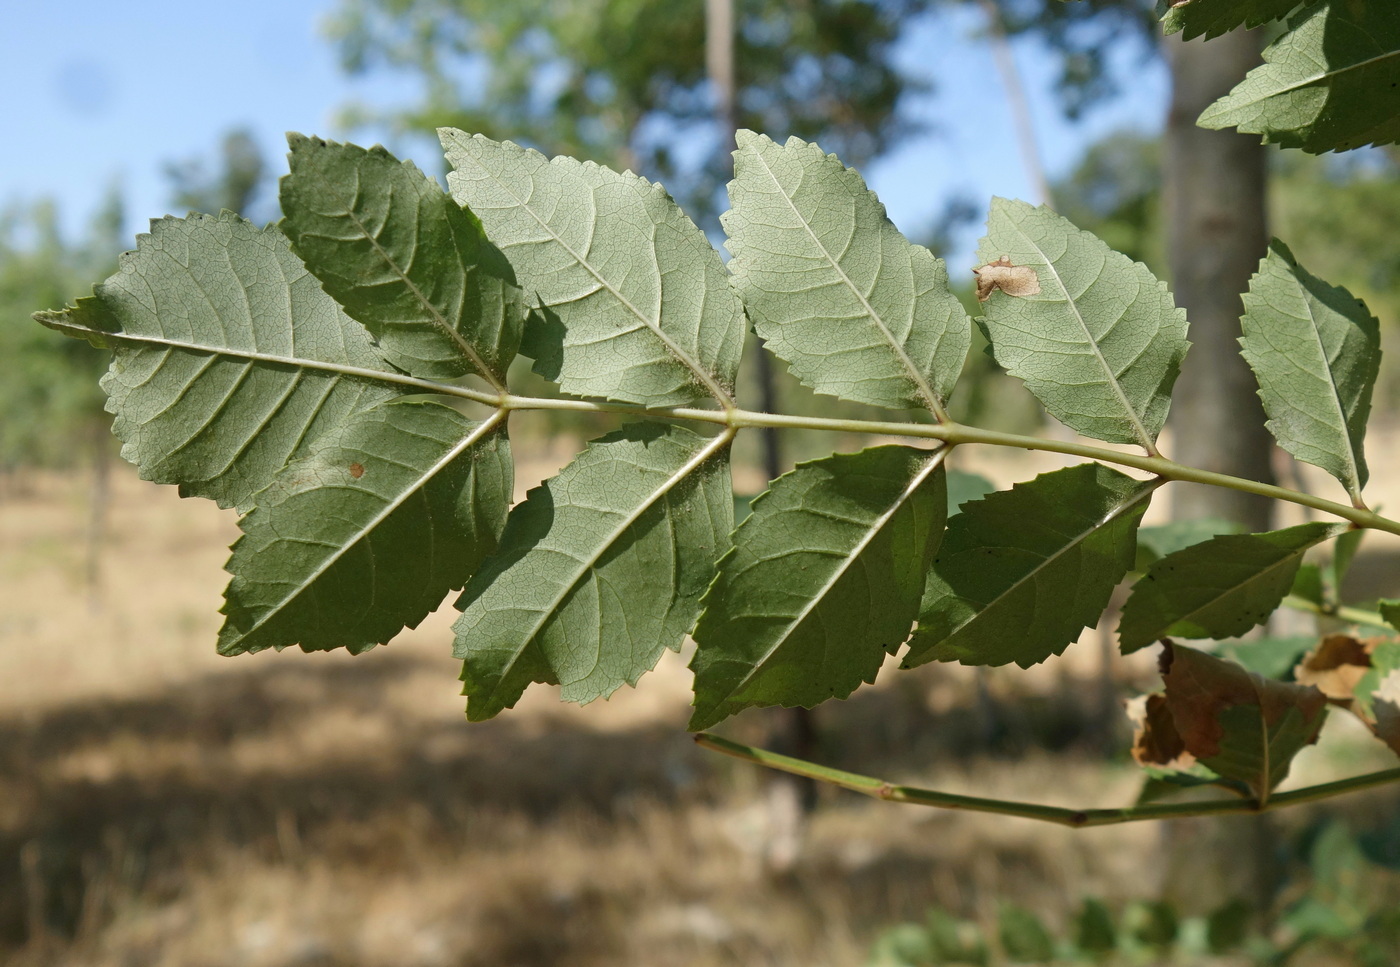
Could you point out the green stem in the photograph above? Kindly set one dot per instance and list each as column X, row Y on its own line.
column 1356, row 616
column 1074, row 818
column 957, row 433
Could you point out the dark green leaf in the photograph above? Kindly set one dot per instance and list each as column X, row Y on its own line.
column 1219, row 588
column 403, row 259
column 1023, row 571
column 1316, row 352
column 833, row 287
column 824, row 577
column 369, row 532
column 1192, row 18
column 229, row 358
column 1154, row 543
column 1100, row 344
column 1227, row 927
column 635, row 302
column 600, row 569
column 1094, row 930
column 1023, row 937
column 1331, row 83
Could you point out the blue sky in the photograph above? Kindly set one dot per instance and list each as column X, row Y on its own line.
column 97, row 94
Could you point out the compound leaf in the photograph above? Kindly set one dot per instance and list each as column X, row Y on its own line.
column 635, row 304
column 1100, row 343
column 1328, row 84
column 1023, row 571
column 1316, row 352
column 824, row 578
column 833, row 287
column 403, row 259
column 1219, row 588
column 367, row 533
column 1192, row 18
column 600, row 569
column 229, row 359
column 1238, row 724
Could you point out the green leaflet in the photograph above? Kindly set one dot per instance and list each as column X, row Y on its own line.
column 403, row 259
column 1316, row 352
column 964, row 487
column 1100, row 344
column 229, row 358
column 1216, row 17
column 1023, row 571
column 824, row 577
column 635, row 304
column 1219, row 588
column 600, row 569
column 369, row 532
column 833, row 287
column 1390, row 610
column 1331, row 83
column 1157, row 542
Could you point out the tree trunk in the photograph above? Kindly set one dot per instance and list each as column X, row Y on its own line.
column 1214, row 191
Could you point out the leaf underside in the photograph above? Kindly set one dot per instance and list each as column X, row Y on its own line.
column 1331, row 83
column 824, row 577
column 369, row 532
column 599, row 570
column 1100, row 345
column 1215, row 17
column 229, row 360
column 833, row 287
column 1023, row 571
column 634, row 304
column 403, row 259
column 1316, row 353
column 1219, row 588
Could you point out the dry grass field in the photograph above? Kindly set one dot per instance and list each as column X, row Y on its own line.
column 162, row 806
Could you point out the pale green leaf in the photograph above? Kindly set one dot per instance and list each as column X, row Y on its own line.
column 1023, row 571
column 1100, row 344
column 1269, row 657
column 635, row 304
column 964, row 486
column 229, row 358
column 1331, row 83
column 824, row 578
column 1219, row 588
column 369, row 532
column 1192, row 18
column 833, row 287
column 403, row 259
column 600, row 569
column 1316, row 352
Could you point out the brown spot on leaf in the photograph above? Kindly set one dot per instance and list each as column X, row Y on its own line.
column 1014, row 280
column 357, row 470
column 1336, row 666
column 1156, row 742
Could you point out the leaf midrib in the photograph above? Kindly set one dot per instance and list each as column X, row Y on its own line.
column 676, row 351
column 1144, row 492
column 920, row 384
column 439, row 321
column 1144, row 438
column 934, row 461
column 586, row 565
column 486, row 427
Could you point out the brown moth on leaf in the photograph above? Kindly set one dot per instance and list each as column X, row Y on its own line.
column 1016, row 280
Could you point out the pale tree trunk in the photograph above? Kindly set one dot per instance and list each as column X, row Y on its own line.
column 1214, row 192
column 1213, row 186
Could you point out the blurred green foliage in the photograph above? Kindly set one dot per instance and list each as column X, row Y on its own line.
column 50, row 404
column 1339, row 907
